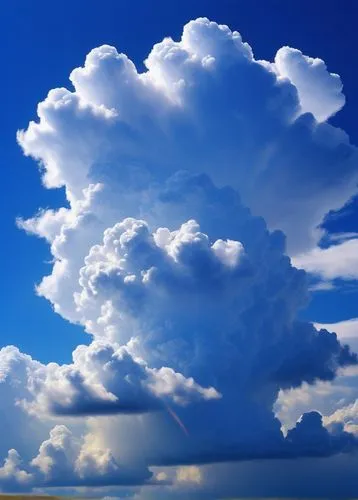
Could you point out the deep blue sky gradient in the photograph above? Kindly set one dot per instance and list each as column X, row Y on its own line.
column 43, row 41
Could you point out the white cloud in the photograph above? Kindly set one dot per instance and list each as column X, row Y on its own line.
column 65, row 460
column 205, row 104
column 319, row 91
column 347, row 415
column 104, row 379
column 191, row 301
column 11, row 470
column 336, row 261
column 345, row 330
column 15, row 367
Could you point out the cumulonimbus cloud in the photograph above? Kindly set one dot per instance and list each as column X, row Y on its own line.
column 190, row 296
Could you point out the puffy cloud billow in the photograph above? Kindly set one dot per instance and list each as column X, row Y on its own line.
column 184, row 183
column 64, row 460
column 104, row 380
column 206, row 105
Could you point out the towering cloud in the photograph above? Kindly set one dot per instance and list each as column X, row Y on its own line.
column 205, row 104
column 183, row 183
column 310, row 77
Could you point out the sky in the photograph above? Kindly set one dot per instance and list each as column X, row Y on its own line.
column 180, row 228
column 42, row 45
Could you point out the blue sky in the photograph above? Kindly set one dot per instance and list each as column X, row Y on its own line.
column 196, row 322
